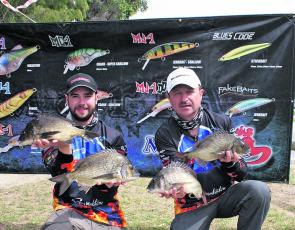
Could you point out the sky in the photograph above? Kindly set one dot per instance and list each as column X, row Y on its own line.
column 198, row 8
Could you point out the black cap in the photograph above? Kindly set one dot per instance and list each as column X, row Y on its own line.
column 81, row 79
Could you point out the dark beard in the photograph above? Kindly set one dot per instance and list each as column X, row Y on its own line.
column 81, row 119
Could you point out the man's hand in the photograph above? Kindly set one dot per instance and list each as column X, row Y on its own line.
column 176, row 193
column 112, row 184
column 44, row 143
column 229, row 156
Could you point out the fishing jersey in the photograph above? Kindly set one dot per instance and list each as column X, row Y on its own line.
column 215, row 177
column 100, row 203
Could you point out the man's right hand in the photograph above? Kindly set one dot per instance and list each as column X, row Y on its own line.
column 62, row 146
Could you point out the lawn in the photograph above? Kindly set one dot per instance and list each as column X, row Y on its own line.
column 27, row 207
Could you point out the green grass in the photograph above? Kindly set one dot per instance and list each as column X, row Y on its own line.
column 28, row 206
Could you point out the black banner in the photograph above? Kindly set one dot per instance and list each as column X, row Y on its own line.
column 246, row 64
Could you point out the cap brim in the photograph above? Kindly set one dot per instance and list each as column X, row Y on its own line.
column 191, row 84
column 87, row 86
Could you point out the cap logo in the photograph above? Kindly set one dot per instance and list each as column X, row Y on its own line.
column 178, row 76
column 80, row 79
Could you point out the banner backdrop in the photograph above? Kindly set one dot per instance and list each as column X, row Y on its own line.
column 246, row 65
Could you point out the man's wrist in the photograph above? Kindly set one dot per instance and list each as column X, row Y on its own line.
column 65, row 149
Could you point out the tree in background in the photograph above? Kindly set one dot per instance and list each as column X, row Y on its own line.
column 106, row 10
column 73, row 10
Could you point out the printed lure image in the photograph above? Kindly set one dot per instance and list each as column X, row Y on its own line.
column 243, row 50
column 157, row 108
column 176, row 175
column 103, row 167
column 82, row 57
column 166, row 49
column 248, row 104
column 214, row 145
column 13, row 103
column 50, row 127
column 10, row 62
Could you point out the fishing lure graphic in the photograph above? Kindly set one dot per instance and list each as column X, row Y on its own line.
column 157, row 108
column 82, row 57
column 166, row 49
column 13, row 103
column 245, row 105
column 243, row 50
column 10, row 62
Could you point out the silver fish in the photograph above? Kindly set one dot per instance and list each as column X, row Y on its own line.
column 215, row 144
column 50, row 127
column 175, row 175
column 102, row 167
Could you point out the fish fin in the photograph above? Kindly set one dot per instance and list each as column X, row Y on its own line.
column 64, row 180
column 197, row 196
column 17, row 47
column 85, row 188
column 48, row 135
column 90, row 135
column 177, row 184
column 105, row 176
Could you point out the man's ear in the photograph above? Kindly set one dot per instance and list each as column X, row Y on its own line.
column 202, row 91
column 96, row 96
column 66, row 98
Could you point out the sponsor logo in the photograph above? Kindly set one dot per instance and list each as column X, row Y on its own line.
column 258, row 155
column 153, row 88
column 149, row 146
column 216, row 191
column 60, row 41
column 5, row 87
column 80, row 79
column 6, row 130
column 236, row 89
column 260, row 114
column 241, row 36
column 79, row 201
column 142, row 38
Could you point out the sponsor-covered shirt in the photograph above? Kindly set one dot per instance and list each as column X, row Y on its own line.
column 100, row 203
column 215, row 177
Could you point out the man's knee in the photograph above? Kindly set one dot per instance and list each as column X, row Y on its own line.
column 258, row 190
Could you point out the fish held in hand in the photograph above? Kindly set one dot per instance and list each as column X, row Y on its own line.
column 107, row 166
column 211, row 147
column 50, row 127
column 176, row 175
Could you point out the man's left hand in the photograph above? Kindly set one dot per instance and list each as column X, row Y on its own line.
column 229, row 156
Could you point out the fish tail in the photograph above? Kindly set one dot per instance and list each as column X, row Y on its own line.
column 88, row 135
column 65, row 181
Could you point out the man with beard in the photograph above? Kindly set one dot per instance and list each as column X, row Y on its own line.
column 225, row 192
column 99, row 207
